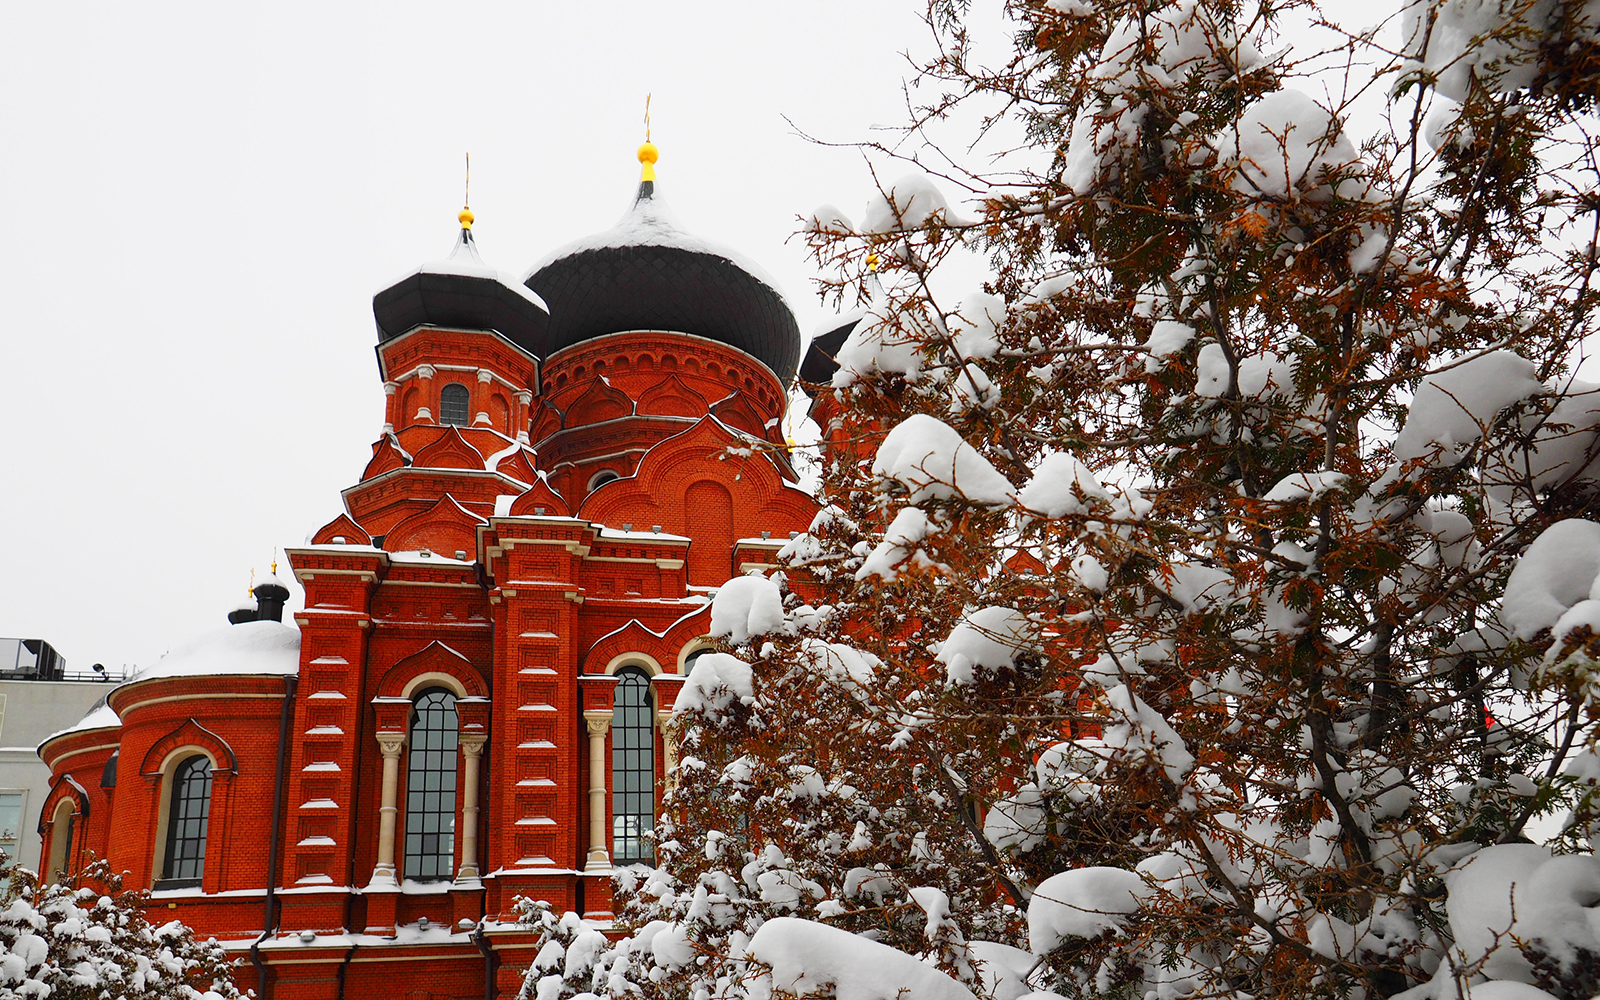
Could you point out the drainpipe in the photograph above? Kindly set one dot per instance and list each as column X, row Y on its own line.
column 344, row 966
column 491, row 961
column 269, row 920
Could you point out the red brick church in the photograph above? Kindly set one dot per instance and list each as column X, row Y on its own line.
column 496, row 626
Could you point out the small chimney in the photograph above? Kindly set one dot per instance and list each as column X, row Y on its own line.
column 271, row 596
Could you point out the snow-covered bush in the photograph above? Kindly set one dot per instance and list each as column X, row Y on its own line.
column 1209, row 605
column 86, row 938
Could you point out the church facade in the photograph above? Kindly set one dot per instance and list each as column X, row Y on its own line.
column 473, row 704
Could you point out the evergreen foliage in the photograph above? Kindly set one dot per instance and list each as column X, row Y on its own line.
column 1206, row 605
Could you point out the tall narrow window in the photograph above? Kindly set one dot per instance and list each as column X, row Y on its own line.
column 11, row 823
column 187, row 814
column 633, row 769
column 453, row 400
column 431, row 789
column 61, row 825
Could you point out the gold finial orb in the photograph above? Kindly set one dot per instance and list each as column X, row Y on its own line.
column 648, row 154
column 872, row 262
column 466, row 217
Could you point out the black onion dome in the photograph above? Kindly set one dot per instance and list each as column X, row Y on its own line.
column 819, row 365
column 647, row 274
column 462, row 292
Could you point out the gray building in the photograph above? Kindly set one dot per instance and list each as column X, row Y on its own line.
column 39, row 697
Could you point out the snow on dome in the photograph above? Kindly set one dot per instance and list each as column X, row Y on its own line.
column 647, row 273
column 464, row 260
column 462, row 292
column 101, row 716
column 249, row 648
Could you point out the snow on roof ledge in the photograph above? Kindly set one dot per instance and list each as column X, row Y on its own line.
column 101, row 716
column 263, row 648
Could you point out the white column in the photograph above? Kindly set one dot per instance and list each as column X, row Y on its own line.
column 598, row 721
column 669, row 746
column 471, row 745
column 383, row 873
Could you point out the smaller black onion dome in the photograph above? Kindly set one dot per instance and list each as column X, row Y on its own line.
column 646, row 273
column 462, row 292
column 819, row 364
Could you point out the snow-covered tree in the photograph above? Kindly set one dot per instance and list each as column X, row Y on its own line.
column 86, row 938
column 1208, row 603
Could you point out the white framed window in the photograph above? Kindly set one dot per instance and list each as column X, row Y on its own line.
column 13, row 807
column 431, row 788
column 454, row 401
column 633, row 769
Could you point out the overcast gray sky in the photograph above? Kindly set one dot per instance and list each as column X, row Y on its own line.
column 198, row 201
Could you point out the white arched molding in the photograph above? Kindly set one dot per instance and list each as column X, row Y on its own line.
column 163, row 786
column 700, row 645
column 61, row 831
column 644, row 661
column 433, row 678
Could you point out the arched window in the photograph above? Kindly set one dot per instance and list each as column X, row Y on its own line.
column 633, row 769
column 688, row 661
column 602, row 477
column 453, row 404
column 431, row 789
column 61, row 830
column 188, row 810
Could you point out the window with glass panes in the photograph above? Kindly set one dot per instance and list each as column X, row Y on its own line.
column 187, row 815
column 431, row 789
column 453, row 402
column 11, row 822
column 633, row 769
